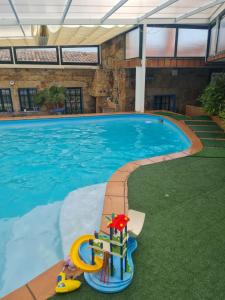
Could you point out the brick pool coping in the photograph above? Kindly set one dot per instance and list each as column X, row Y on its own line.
column 116, row 200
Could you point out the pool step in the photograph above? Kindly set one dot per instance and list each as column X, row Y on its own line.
column 212, row 139
column 34, row 246
column 209, row 131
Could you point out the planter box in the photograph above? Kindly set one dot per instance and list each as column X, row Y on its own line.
column 192, row 111
column 219, row 121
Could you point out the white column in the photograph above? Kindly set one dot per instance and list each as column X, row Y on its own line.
column 140, row 78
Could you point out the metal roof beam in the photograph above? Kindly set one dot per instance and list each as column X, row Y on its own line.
column 113, row 10
column 68, row 4
column 80, row 22
column 16, row 16
column 198, row 10
column 155, row 10
column 218, row 11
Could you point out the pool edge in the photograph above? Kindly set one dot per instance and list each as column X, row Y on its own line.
column 116, row 200
column 116, row 196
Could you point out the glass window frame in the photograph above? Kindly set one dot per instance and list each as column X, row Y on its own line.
column 176, row 26
column 36, row 62
column 193, row 27
column 80, row 46
column 68, row 100
column 213, row 25
column 28, row 98
column 9, row 102
column 175, row 43
column 140, row 42
column 222, row 17
column 11, row 55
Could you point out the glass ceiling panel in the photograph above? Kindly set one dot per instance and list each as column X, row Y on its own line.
column 187, row 5
column 90, row 9
column 137, row 8
column 84, row 12
column 38, row 9
column 6, row 11
column 84, row 15
column 146, row 3
column 206, row 13
column 10, row 31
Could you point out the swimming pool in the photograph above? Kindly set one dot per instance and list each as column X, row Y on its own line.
column 43, row 160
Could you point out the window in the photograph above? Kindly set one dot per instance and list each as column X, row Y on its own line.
column 160, row 41
column 73, row 103
column 221, row 38
column 86, row 55
column 36, row 55
column 26, row 97
column 6, row 55
column 133, row 43
column 212, row 45
column 165, row 102
column 5, row 101
column 192, row 42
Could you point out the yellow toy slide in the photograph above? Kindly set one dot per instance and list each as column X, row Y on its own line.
column 78, row 262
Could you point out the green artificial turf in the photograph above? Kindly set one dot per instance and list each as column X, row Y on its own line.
column 172, row 115
column 213, row 143
column 193, row 122
column 201, row 118
column 211, row 152
column 183, row 238
column 210, row 134
column 205, row 128
column 180, row 251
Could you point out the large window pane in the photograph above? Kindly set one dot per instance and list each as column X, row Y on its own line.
column 192, row 42
column 26, row 96
column 36, row 55
column 80, row 55
column 133, row 43
column 73, row 103
column 5, row 100
column 5, row 56
column 221, row 39
column 212, row 45
column 160, row 41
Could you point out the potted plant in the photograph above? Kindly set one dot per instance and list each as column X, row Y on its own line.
column 213, row 96
column 52, row 99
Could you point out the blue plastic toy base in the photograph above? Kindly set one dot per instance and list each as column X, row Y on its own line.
column 114, row 283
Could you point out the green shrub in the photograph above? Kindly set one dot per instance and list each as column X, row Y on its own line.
column 213, row 97
column 53, row 97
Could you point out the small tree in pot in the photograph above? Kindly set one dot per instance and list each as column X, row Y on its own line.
column 51, row 98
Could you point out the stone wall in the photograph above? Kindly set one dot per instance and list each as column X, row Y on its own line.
column 112, row 53
column 186, row 84
column 41, row 78
column 114, row 82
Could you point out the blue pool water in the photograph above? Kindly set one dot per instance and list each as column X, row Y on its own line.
column 43, row 160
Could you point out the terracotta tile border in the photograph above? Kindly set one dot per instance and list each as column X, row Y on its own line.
column 117, row 187
column 116, row 200
column 46, row 117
